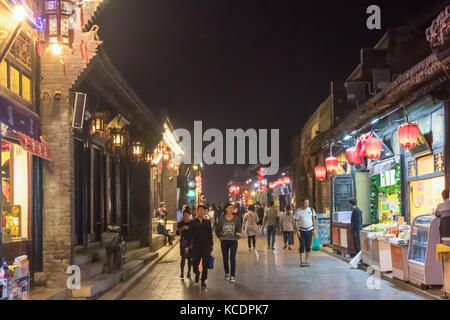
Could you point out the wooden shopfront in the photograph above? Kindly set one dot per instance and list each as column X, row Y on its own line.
column 22, row 148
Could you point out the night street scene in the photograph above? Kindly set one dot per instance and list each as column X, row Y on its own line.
column 190, row 152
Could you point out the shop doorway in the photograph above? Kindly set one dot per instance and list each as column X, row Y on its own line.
column 343, row 191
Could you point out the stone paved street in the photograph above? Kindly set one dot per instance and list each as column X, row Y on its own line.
column 266, row 274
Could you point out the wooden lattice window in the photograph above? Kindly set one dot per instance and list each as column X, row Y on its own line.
column 325, row 196
column 412, row 172
column 439, row 164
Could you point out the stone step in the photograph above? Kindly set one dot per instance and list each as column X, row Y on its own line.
column 89, row 255
column 91, row 270
column 42, row 293
column 93, row 245
column 98, row 285
column 133, row 254
column 131, row 245
column 148, row 257
column 57, row 280
column 157, row 242
column 131, row 268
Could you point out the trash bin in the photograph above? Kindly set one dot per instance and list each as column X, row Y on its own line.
column 443, row 254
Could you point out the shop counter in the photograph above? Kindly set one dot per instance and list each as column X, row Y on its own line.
column 443, row 254
column 343, row 238
column 399, row 256
column 381, row 255
column 366, row 247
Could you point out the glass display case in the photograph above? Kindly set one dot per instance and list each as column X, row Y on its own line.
column 419, row 238
column 423, row 268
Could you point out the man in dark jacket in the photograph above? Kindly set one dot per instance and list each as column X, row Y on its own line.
column 202, row 242
column 356, row 224
column 185, row 243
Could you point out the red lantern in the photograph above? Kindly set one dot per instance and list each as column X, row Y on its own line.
column 352, row 157
column 286, row 180
column 321, row 173
column 408, row 135
column 271, row 185
column 373, row 148
column 238, row 190
column 232, row 189
column 331, row 163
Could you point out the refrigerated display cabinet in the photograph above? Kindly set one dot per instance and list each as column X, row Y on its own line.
column 423, row 268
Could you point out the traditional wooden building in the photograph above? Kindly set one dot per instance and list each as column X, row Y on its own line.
column 405, row 77
column 23, row 150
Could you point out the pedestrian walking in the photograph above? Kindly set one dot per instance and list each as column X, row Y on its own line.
column 251, row 227
column 356, row 223
column 270, row 221
column 305, row 227
column 202, row 244
column 287, row 227
column 260, row 213
column 228, row 230
column 185, row 243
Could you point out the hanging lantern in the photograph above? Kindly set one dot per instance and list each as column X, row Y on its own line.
column 138, row 149
column 171, row 165
column 148, row 157
column 286, row 180
column 117, row 138
column 321, row 173
column 353, row 158
column 373, row 148
column 408, row 134
column 331, row 163
column 57, row 15
column 232, row 190
column 98, row 124
column 166, row 156
column 271, row 185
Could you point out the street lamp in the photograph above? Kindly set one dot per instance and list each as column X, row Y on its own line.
column 19, row 13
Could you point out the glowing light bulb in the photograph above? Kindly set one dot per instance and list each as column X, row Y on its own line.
column 19, row 13
column 56, row 49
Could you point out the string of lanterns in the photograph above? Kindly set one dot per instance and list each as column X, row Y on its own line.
column 370, row 147
column 279, row 182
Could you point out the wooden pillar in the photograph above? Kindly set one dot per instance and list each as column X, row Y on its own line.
column 404, row 185
column 447, row 144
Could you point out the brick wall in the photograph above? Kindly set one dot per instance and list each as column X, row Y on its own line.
column 56, row 119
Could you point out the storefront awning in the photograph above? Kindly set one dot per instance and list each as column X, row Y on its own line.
column 20, row 119
column 39, row 149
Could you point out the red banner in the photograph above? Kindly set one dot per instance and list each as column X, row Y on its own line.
column 39, row 149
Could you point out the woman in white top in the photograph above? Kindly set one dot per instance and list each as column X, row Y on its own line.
column 287, row 226
column 251, row 226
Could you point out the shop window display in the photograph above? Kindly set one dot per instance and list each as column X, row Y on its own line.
column 14, row 174
column 385, row 195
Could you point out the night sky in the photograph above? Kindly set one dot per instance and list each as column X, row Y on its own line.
column 241, row 63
